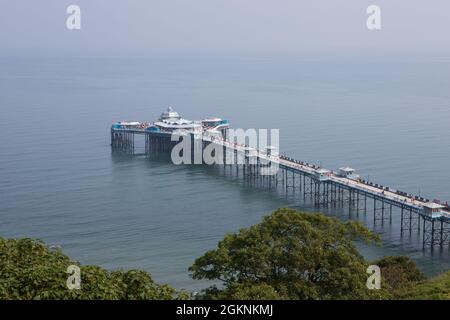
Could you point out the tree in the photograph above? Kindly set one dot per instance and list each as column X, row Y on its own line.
column 399, row 273
column 30, row 270
column 289, row 255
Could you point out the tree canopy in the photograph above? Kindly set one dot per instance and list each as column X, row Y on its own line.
column 399, row 274
column 289, row 255
column 31, row 270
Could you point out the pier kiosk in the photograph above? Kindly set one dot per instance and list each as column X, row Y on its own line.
column 347, row 172
column 322, row 174
column 433, row 210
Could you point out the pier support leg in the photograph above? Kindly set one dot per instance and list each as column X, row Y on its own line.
column 390, row 214
column 365, row 204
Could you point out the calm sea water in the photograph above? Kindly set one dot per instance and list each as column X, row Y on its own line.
column 387, row 117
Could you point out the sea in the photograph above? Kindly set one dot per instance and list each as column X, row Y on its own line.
column 387, row 116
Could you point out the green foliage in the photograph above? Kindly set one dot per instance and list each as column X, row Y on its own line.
column 242, row 291
column 30, row 270
column 253, row 291
column 437, row 288
column 289, row 255
column 399, row 274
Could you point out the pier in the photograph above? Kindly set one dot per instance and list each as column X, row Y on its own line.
column 322, row 187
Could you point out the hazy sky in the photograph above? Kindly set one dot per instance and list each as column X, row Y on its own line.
column 225, row 26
